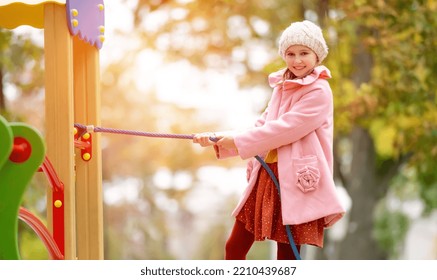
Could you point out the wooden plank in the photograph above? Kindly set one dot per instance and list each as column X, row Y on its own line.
column 58, row 47
column 89, row 202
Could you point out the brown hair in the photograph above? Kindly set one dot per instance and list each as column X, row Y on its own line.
column 288, row 75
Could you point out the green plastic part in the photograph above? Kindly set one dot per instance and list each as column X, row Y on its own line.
column 6, row 141
column 14, row 179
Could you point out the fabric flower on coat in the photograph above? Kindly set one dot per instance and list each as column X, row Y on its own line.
column 308, row 178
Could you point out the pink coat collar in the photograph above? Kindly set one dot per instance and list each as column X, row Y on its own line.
column 276, row 78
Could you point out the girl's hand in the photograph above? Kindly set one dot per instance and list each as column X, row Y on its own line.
column 226, row 141
column 205, row 139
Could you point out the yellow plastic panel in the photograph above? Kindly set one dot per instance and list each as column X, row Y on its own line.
column 24, row 12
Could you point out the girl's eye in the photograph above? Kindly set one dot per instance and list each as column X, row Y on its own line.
column 304, row 53
column 290, row 54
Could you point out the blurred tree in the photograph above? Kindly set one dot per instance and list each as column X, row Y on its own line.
column 21, row 64
column 149, row 227
column 383, row 65
column 219, row 34
column 389, row 111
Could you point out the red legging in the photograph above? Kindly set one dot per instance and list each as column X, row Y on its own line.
column 240, row 241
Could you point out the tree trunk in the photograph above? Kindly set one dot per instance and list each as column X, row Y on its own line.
column 362, row 183
column 322, row 12
column 364, row 187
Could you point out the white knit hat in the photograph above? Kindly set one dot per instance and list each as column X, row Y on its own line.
column 304, row 33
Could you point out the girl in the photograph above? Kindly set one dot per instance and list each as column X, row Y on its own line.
column 294, row 135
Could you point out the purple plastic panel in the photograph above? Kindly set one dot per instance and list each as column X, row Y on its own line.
column 86, row 19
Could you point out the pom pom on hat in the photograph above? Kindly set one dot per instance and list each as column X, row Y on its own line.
column 304, row 33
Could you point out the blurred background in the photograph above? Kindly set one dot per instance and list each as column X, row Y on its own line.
column 186, row 66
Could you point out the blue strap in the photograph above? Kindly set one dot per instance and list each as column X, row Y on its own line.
column 287, row 227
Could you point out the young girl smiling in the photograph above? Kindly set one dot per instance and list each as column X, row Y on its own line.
column 294, row 136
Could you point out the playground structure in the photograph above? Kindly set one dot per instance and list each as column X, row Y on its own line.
column 21, row 154
column 73, row 36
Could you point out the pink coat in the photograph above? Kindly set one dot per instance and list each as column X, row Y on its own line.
column 298, row 121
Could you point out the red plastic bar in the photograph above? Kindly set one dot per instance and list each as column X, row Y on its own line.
column 57, row 203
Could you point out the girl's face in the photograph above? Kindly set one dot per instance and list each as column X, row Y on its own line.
column 300, row 60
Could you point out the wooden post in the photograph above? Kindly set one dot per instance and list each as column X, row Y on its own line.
column 89, row 202
column 58, row 46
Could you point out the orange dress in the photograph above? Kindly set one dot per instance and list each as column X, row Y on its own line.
column 262, row 216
